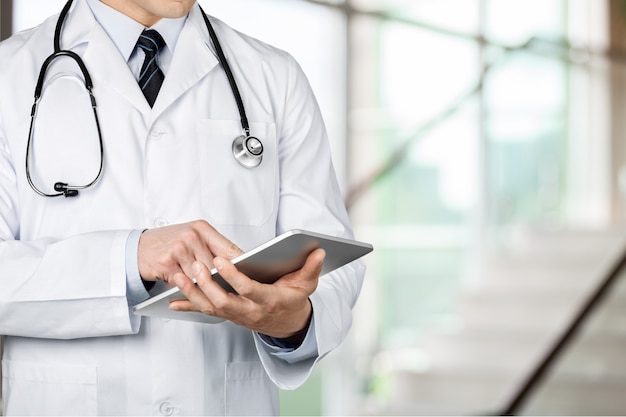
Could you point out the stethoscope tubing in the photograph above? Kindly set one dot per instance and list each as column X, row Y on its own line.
column 229, row 73
column 63, row 188
column 247, row 158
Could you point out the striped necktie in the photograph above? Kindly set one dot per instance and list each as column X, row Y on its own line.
column 151, row 77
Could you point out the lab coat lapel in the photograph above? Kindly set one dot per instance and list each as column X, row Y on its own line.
column 193, row 59
column 107, row 66
column 102, row 58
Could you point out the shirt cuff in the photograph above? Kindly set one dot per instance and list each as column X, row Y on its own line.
column 306, row 350
column 135, row 289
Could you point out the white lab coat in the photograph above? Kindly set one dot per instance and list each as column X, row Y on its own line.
column 71, row 343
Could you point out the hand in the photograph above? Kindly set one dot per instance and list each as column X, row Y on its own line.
column 166, row 251
column 280, row 310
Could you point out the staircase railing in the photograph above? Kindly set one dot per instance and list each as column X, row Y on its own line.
column 561, row 344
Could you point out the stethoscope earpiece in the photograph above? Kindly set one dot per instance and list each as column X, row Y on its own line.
column 248, row 151
column 65, row 189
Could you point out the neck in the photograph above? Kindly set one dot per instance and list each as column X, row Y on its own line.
column 134, row 11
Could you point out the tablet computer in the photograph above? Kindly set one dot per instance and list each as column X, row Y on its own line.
column 266, row 263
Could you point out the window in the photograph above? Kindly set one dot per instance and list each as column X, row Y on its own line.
column 453, row 143
column 451, row 121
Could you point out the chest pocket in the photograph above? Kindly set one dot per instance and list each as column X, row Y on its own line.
column 233, row 194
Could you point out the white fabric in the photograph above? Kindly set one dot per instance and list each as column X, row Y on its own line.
column 71, row 345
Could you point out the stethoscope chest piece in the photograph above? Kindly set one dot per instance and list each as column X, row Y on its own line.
column 248, row 151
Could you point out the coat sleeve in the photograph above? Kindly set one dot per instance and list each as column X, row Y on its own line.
column 48, row 290
column 310, row 198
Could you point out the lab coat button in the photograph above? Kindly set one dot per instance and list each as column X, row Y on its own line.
column 166, row 408
column 160, row 222
column 157, row 134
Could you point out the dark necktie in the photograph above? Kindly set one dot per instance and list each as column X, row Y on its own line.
column 151, row 77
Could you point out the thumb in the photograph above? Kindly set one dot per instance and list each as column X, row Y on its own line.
column 313, row 266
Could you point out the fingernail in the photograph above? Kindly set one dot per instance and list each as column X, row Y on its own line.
column 323, row 257
column 219, row 263
column 180, row 281
column 197, row 268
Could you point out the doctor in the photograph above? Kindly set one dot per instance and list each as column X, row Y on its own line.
column 169, row 202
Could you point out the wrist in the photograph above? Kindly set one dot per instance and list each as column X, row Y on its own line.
column 296, row 339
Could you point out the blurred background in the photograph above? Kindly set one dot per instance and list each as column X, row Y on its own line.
column 480, row 148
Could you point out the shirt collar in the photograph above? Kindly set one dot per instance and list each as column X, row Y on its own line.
column 125, row 31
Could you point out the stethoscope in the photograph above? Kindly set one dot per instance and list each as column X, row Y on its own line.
column 247, row 149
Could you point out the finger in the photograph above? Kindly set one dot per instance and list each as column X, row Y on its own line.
column 204, row 257
column 186, row 268
column 308, row 275
column 183, row 305
column 233, row 306
column 314, row 263
column 162, row 253
column 242, row 284
column 190, row 246
column 196, row 299
column 207, row 242
column 211, row 298
column 217, row 243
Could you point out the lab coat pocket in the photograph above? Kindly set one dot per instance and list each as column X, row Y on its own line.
column 249, row 391
column 49, row 389
column 231, row 193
